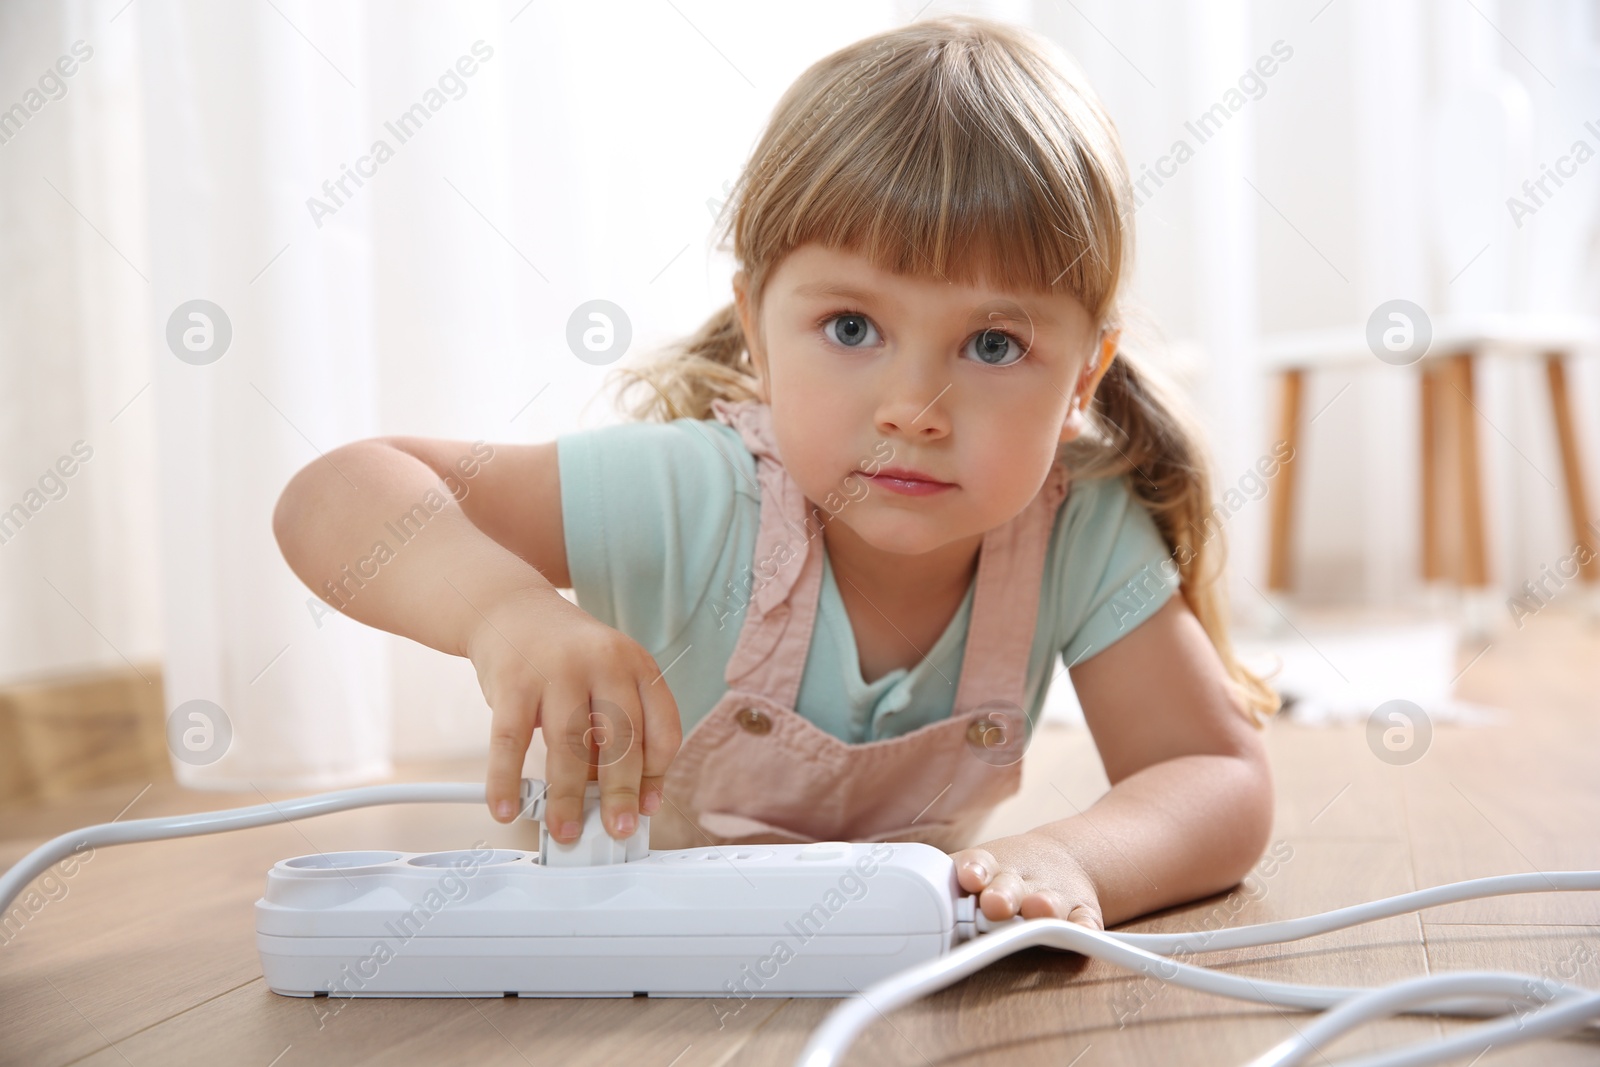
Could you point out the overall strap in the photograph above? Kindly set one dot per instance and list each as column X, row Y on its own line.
column 786, row 573
column 1005, row 606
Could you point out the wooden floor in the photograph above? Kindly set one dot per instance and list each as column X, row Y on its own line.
column 148, row 956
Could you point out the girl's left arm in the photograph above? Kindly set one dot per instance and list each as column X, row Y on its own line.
column 1190, row 805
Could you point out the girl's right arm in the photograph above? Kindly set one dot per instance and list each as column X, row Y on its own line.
column 478, row 578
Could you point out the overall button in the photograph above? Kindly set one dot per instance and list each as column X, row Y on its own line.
column 999, row 736
column 754, row 720
column 982, row 732
column 825, row 850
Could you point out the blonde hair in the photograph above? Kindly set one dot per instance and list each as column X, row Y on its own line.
column 917, row 148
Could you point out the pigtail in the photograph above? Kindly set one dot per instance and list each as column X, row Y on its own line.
column 1140, row 426
column 683, row 380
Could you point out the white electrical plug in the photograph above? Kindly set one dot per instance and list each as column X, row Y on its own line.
column 595, row 847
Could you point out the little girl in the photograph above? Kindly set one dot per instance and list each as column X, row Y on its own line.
column 826, row 574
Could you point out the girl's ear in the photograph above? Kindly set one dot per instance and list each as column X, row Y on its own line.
column 1088, row 381
column 741, row 299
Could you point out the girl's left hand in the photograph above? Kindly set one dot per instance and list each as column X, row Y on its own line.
column 1032, row 875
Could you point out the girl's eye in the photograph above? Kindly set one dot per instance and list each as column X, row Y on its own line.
column 993, row 348
column 853, row 328
column 997, row 348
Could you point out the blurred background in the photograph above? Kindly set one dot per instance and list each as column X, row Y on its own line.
column 1367, row 239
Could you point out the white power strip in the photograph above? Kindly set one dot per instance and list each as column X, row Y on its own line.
column 824, row 919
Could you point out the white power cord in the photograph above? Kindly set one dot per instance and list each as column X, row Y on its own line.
column 1560, row 1008
column 1275, row 933
column 35, row 863
column 1557, row 1008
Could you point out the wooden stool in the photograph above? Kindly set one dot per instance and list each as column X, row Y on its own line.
column 1454, row 543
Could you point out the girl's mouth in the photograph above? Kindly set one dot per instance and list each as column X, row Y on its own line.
column 907, row 483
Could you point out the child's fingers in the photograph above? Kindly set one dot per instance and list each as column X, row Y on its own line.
column 566, row 763
column 1002, row 898
column 619, row 756
column 652, row 793
column 1004, row 894
column 974, row 868
column 510, row 732
column 1044, row 904
column 1049, row 904
column 662, row 737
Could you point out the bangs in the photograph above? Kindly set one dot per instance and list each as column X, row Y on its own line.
column 962, row 162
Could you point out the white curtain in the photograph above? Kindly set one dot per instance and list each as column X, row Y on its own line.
column 580, row 159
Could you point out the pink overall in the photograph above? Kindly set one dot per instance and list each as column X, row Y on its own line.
column 755, row 770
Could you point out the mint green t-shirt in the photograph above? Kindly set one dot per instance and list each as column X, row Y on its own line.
column 660, row 523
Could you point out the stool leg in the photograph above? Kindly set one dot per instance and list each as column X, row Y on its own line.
column 1428, row 396
column 1571, row 463
column 1280, row 541
column 1474, row 566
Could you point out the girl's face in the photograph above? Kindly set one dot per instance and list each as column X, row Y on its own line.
column 868, row 371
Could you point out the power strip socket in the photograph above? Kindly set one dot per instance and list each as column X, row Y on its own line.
column 823, row 919
column 595, row 846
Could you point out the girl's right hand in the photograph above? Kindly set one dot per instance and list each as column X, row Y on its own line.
column 601, row 698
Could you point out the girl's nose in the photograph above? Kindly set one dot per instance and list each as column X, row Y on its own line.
column 911, row 418
column 916, row 408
